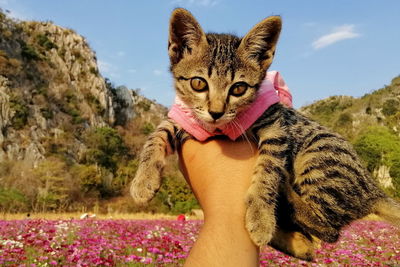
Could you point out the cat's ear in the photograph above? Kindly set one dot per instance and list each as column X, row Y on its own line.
column 260, row 42
column 185, row 34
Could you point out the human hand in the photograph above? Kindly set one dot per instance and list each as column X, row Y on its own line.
column 219, row 172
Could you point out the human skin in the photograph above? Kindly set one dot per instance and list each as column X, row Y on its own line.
column 219, row 172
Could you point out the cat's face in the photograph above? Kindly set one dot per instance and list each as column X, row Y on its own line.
column 218, row 75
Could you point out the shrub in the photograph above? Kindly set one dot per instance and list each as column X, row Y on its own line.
column 147, row 128
column 390, row 107
column 145, row 105
column 106, row 147
column 11, row 200
column 89, row 177
column 94, row 71
column 44, row 41
column 176, row 195
column 47, row 113
column 345, row 119
column 379, row 146
column 21, row 112
column 124, row 176
column 94, row 103
column 28, row 52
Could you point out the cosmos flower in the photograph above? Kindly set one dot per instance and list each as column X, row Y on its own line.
column 167, row 243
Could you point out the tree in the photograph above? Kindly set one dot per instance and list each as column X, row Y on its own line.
column 105, row 147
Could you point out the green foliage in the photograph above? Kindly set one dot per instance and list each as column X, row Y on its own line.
column 145, row 105
column 21, row 112
column 94, row 103
column 176, row 196
column 54, row 190
column 71, row 107
column 345, row 119
column 44, row 41
column 47, row 113
column 28, row 52
column 147, row 128
column 106, row 147
column 390, row 107
column 331, row 105
column 94, row 71
column 124, row 176
column 379, row 146
column 89, row 177
column 11, row 200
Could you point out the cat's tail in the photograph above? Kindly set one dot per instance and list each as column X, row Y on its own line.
column 388, row 210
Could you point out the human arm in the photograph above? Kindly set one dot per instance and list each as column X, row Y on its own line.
column 219, row 172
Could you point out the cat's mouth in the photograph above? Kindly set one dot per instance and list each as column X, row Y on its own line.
column 219, row 123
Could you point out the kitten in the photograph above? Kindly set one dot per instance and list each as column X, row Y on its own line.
column 308, row 182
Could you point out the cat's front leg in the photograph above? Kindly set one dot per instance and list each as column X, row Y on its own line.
column 262, row 196
column 147, row 180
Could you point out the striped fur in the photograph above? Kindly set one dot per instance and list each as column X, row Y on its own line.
column 308, row 182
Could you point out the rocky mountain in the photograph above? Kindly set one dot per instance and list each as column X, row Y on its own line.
column 50, row 87
column 350, row 116
column 69, row 138
column 372, row 124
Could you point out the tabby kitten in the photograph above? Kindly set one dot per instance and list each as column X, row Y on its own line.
column 308, row 182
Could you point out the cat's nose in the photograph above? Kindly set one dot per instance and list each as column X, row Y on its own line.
column 216, row 115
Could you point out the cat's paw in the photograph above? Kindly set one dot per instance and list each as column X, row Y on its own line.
column 260, row 221
column 294, row 244
column 145, row 185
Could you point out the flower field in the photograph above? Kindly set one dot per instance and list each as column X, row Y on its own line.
column 167, row 243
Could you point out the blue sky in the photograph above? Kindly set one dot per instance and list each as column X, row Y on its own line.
column 341, row 47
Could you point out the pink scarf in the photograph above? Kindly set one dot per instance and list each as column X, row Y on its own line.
column 273, row 89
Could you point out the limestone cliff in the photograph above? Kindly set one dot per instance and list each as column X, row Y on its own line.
column 51, row 92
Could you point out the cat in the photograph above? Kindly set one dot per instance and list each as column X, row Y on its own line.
column 308, row 181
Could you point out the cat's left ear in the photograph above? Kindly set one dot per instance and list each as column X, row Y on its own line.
column 185, row 35
column 260, row 43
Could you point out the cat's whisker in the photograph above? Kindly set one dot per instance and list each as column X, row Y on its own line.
column 240, row 128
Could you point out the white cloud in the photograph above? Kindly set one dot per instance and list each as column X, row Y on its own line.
column 204, row 3
column 338, row 34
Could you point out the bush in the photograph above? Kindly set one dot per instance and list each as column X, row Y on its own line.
column 21, row 112
column 124, row 176
column 345, row 119
column 176, row 196
column 89, row 177
column 390, row 107
column 28, row 52
column 44, row 41
column 145, row 105
column 147, row 128
column 379, row 146
column 11, row 200
column 106, row 148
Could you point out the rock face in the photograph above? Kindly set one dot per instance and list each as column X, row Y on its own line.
column 51, row 92
column 382, row 174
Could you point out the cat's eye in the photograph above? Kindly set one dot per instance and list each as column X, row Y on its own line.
column 198, row 84
column 238, row 89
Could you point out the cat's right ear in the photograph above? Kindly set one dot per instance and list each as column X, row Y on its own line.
column 260, row 43
column 185, row 34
